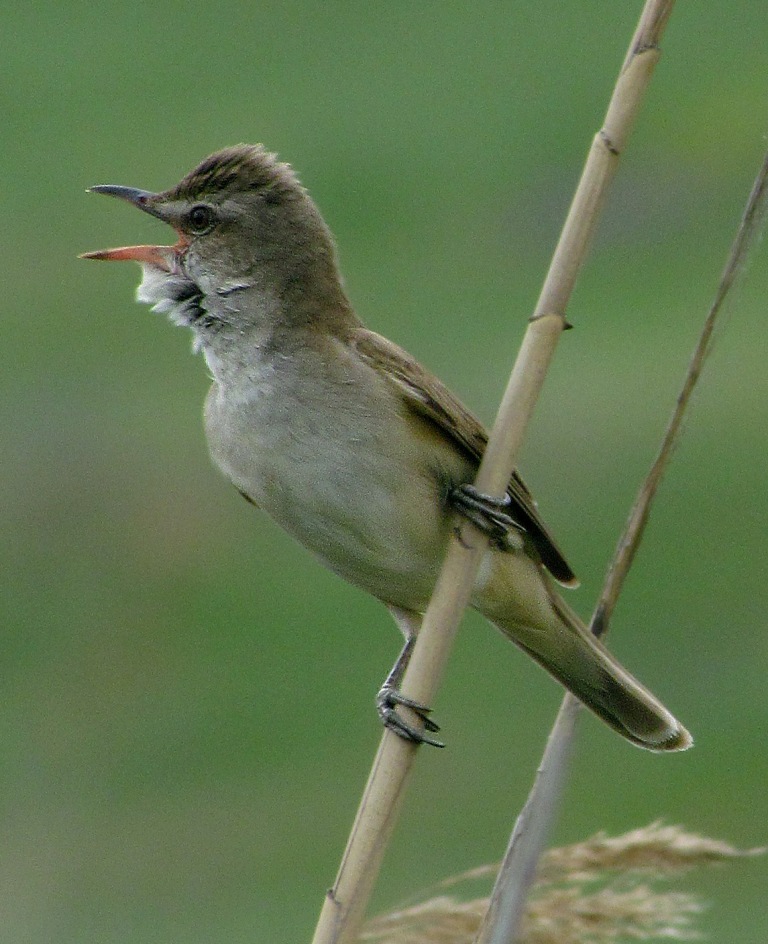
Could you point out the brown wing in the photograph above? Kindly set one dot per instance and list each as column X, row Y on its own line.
column 426, row 395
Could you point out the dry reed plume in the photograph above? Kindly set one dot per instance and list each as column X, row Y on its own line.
column 600, row 890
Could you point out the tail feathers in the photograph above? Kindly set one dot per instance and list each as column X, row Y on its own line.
column 580, row 662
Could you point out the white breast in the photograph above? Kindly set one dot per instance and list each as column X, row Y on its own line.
column 328, row 453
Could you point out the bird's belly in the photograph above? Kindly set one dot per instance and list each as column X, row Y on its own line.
column 363, row 500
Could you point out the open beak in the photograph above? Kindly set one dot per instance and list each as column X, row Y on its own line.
column 160, row 256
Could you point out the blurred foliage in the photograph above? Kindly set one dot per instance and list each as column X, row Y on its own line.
column 187, row 697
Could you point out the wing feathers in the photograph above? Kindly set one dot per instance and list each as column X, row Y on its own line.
column 426, row 395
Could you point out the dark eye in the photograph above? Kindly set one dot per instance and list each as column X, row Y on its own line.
column 200, row 218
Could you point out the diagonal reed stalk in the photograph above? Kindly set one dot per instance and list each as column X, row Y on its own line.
column 505, row 914
column 345, row 903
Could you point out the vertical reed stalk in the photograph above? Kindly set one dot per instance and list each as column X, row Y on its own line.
column 345, row 904
column 505, row 913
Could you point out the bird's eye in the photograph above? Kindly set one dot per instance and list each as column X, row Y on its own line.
column 200, row 218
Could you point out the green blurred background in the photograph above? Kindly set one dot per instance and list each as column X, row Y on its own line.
column 186, row 712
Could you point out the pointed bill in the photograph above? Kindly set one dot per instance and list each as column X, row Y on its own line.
column 143, row 199
column 162, row 257
column 159, row 256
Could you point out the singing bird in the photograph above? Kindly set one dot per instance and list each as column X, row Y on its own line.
column 350, row 444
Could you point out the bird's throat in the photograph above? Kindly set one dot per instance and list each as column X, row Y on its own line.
column 176, row 295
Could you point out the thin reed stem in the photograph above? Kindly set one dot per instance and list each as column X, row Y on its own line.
column 526, row 845
column 344, row 907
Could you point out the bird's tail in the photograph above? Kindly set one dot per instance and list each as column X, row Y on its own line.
column 580, row 662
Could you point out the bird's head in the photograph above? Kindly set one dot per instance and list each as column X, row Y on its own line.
column 247, row 229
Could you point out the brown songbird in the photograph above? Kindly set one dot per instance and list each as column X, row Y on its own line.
column 348, row 442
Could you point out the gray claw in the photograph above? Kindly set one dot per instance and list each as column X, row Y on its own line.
column 388, row 699
column 487, row 513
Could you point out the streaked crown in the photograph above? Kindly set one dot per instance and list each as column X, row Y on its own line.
column 237, row 169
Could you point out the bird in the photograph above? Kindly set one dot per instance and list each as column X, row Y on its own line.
column 347, row 441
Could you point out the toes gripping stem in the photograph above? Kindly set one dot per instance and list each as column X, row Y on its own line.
column 489, row 514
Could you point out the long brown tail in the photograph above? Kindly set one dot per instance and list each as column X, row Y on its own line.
column 581, row 663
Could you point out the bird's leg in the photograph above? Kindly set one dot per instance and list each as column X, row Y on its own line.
column 489, row 514
column 389, row 696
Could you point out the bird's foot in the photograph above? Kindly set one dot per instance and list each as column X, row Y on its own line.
column 489, row 514
column 387, row 700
